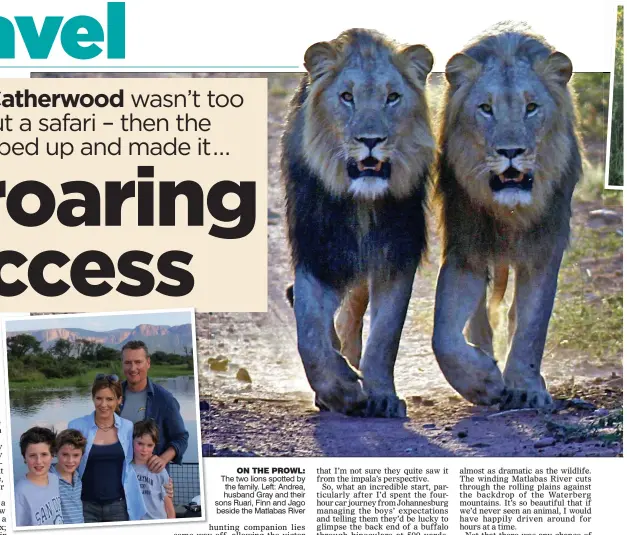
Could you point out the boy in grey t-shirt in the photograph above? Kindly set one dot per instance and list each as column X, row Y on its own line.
column 37, row 501
column 158, row 503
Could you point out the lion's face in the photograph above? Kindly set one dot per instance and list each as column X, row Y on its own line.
column 369, row 111
column 367, row 131
column 509, row 128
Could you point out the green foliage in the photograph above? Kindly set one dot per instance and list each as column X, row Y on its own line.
column 161, row 357
column 75, row 363
column 115, row 367
column 617, row 141
column 19, row 373
column 107, row 354
column 46, row 365
column 607, row 428
column 61, row 348
column 37, row 381
column 86, row 350
column 81, row 382
column 593, row 93
column 30, row 363
column 21, row 345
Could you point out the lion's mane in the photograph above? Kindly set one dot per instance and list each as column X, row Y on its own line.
column 336, row 236
column 477, row 230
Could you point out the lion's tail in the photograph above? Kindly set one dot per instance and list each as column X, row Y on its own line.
column 499, row 286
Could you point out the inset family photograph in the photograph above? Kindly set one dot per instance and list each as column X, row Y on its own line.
column 103, row 417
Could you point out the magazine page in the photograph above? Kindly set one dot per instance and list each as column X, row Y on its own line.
column 289, row 269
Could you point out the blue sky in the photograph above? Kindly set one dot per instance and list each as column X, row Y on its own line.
column 101, row 321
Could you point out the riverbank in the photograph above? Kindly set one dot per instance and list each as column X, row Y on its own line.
column 157, row 371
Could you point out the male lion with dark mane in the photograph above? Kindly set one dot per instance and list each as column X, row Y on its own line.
column 510, row 159
column 355, row 162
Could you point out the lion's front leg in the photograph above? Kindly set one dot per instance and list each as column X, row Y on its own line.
column 533, row 304
column 388, row 308
column 470, row 370
column 349, row 323
column 336, row 384
column 478, row 330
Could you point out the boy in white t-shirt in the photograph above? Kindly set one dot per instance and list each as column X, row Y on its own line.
column 158, row 503
column 37, row 500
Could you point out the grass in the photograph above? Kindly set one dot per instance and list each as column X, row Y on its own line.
column 588, row 312
column 85, row 380
column 587, row 315
column 608, row 428
column 592, row 188
column 277, row 88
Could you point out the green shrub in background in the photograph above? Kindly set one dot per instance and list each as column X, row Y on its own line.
column 617, row 141
column 75, row 363
column 593, row 93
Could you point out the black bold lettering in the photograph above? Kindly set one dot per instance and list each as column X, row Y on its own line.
column 245, row 211
column 145, row 204
column 80, row 273
column 11, row 289
column 115, row 195
column 36, row 273
column 169, row 191
column 127, row 268
column 90, row 203
column 15, row 200
column 167, row 268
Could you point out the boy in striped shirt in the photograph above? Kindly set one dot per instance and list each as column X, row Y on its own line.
column 70, row 446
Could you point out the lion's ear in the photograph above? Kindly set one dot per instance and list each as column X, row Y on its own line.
column 320, row 58
column 557, row 67
column 420, row 60
column 461, row 69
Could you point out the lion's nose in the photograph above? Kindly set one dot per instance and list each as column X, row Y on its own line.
column 371, row 142
column 510, row 153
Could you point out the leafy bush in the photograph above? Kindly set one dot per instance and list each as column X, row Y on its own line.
column 617, row 142
column 593, row 93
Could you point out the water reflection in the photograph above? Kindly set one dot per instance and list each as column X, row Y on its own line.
column 29, row 401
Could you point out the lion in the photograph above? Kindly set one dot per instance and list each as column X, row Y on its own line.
column 356, row 157
column 509, row 160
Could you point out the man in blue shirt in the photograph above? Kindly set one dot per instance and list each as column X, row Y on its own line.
column 146, row 400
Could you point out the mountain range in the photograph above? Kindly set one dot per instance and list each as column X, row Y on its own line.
column 157, row 337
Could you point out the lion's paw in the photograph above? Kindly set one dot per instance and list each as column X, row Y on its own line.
column 340, row 392
column 345, row 398
column 385, row 406
column 525, row 392
column 478, row 380
column 519, row 398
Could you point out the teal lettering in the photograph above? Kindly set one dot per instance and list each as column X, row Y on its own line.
column 78, row 30
column 7, row 39
column 39, row 45
column 79, row 35
column 116, row 30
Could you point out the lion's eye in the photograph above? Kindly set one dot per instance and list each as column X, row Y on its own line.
column 531, row 107
column 486, row 108
column 346, row 96
column 393, row 97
